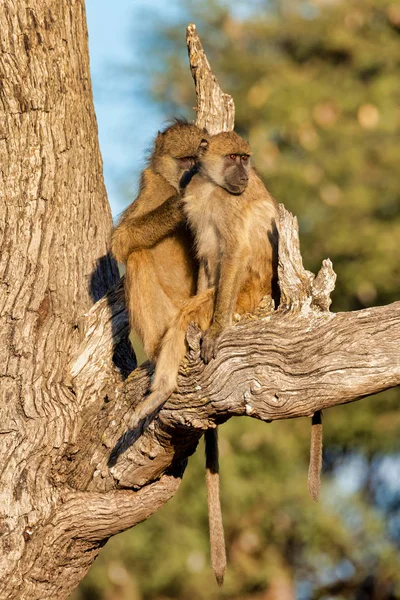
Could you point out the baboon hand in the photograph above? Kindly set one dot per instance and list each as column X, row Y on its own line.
column 209, row 344
column 177, row 208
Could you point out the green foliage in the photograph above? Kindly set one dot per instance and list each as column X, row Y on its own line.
column 272, row 527
column 316, row 86
column 316, row 93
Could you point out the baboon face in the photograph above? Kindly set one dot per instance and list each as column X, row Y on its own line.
column 175, row 153
column 235, row 170
column 225, row 160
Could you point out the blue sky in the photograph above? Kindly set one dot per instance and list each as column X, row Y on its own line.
column 126, row 124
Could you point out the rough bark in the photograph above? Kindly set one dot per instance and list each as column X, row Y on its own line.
column 215, row 109
column 275, row 365
column 54, row 228
column 73, row 472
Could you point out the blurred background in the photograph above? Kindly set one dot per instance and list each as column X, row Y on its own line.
column 316, row 85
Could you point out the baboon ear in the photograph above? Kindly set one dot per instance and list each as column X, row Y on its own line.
column 203, row 145
column 158, row 143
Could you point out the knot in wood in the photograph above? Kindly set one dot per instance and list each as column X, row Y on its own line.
column 323, row 285
column 262, row 397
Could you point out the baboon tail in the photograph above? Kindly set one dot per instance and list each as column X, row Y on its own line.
column 217, row 537
column 314, row 469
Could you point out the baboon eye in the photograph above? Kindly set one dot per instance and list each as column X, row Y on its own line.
column 245, row 157
column 186, row 161
column 233, row 156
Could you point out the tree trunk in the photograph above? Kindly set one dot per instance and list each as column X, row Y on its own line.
column 55, row 224
column 73, row 472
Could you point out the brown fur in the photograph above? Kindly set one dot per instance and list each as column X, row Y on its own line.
column 314, row 469
column 234, row 255
column 238, row 255
column 236, row 243
column 216, row 527
column 154, row 241
column 236, row 237
column 157, row 247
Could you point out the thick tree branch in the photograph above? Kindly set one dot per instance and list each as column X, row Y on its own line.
column 276, row 365
column 282, row 364
column 104, row 353
column 81, row 523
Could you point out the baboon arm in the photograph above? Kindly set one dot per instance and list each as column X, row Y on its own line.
column 145, row 231
column 231, row 274
column 149, row 229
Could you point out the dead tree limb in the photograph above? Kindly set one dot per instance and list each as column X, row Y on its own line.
column 277, row 365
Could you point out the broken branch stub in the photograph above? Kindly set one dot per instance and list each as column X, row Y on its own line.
column 300, row 288
column 215, row 109
column 323, row 285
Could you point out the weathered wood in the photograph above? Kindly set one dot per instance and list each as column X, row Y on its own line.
column 283, row 364
column 61, row 360
column 55, row 223
column 300, row 288
column 215, row 109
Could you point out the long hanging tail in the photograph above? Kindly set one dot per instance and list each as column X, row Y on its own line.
column 172, row 351
column 314, row 469
column 217, row 537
